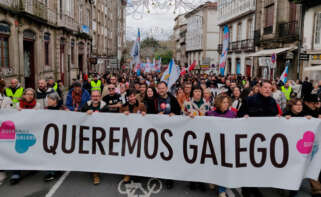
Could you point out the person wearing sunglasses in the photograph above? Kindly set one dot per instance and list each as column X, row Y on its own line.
column 112, row 99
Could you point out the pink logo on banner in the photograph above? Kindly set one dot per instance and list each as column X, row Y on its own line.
column 305, row 144
column 7, row 131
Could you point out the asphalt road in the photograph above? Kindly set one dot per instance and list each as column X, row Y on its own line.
column 79, row 184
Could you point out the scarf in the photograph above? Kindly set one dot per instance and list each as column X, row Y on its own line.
column 76, row 98
column 27, row 105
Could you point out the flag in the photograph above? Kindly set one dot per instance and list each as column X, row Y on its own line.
column 183, row 71
column 192, row 66
column 284, row 76
column 171, row 74
column 158, row 65
column 224, row 50
column 148, row 66
column 135, row 53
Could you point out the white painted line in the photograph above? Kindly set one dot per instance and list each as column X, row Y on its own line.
column 53, row 190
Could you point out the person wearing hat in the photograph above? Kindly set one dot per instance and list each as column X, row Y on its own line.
column 77, row 97
column 309, row 105
column 96, row 84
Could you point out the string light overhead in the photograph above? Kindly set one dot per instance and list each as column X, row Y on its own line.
column 138, row 8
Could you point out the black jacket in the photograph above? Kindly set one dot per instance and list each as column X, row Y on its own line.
column 259, row 106
column 310, row 112
column 290, row 113
column 151, row 105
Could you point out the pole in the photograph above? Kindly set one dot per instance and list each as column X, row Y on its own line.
column 300, row 38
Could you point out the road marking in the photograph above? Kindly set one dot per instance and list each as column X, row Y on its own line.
column 53, row 190
column 132, row 189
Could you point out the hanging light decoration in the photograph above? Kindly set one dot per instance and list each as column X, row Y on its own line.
column 138, row 8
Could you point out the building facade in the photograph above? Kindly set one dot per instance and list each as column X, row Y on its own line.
column 56, row 38
column 202, row 36
column 180, row 30
column 239, row 17
column 312, row 43
column 277, row 30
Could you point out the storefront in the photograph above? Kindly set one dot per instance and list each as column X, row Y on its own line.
column 270, row 63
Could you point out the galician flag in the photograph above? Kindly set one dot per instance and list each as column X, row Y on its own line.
column 171, row 74
column 135, row 53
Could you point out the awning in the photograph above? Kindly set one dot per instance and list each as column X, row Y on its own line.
column 312, row 68
column 269, row 52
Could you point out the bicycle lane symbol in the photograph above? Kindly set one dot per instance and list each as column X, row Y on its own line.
column 132, row 189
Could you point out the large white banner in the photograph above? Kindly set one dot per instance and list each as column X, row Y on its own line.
column 253, row 152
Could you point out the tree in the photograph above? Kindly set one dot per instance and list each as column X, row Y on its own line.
column 166, row 56
column 150, row 42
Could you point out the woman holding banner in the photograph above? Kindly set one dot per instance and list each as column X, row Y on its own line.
column 28, row 101
column 222, row 109
column 196, row 107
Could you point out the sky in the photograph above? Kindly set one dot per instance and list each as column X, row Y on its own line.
column 159, row 23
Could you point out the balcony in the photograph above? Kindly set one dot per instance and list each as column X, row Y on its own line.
column 31, row 7
column 14, row 4
column 67, row 22
column 268, row 30
column 289, row 30
column 219, row 48
column 51, row 16
column 236, row 46
column 248, row 45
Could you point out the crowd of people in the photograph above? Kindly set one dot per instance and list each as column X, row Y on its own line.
column 193, row 95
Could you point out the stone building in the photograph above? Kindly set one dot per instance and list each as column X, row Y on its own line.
column 202, row 36
column 180, row 30
column 42, row 38
column 239, row 17
column 277, row 29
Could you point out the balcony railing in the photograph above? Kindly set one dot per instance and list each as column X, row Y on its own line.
column 239, row 46
column 51, row 16
column 268, row 30
column 10, row 3
column 219, row 48
column 32, row 7
column 236, row 46
column 289, row 29
column 68, row 22
column 248, row 45
column 35, row 8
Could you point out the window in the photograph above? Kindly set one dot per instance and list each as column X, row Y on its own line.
column 47, row 42
column 80, row 14
column 250, row 30
column 4, row 52
column 269, row 16
column 239, row 31
column 317, row 29
column 4, row 44
column 72, row 51
column 231, row 33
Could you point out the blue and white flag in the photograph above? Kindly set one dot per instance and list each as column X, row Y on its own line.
column 284, row 76
column 135, row 53
column 171, row 74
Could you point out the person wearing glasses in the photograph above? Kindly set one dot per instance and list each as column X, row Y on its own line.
column 112, row 99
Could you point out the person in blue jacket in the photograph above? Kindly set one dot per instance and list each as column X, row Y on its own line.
column 77, row 97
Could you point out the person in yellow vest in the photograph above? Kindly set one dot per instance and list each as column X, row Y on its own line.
column 96, row 84
column 287, row 90
column 14, row 92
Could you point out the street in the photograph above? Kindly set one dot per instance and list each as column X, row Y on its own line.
column 79, row 184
